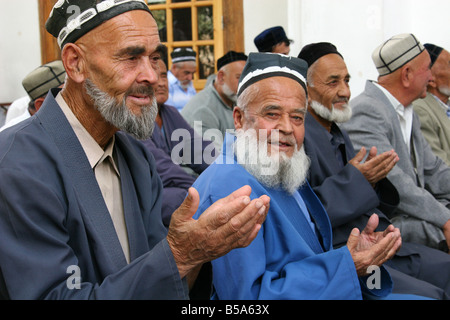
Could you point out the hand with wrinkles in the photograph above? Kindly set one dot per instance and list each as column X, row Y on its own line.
column 376, row 167
column 369, row 248
column 229, row 223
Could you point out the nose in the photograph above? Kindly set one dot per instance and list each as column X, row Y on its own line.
column 344, row 90
column 147, row 72
column 285, row 125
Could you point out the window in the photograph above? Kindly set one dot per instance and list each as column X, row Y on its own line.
column 210, row 27
column 196, row 24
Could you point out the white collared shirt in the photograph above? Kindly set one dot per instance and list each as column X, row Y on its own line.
column 405, row 115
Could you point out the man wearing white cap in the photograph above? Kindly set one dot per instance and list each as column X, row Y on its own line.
column 383, row 117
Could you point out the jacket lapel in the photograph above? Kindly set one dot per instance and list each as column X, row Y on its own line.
column 96, row 215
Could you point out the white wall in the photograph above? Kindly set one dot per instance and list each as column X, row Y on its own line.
column 356, row 27
column 20, row 50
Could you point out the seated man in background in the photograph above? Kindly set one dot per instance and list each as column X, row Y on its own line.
column 351, row 189
column 180, row 153
column 212, row 108
column 292, row 257
column 433, row 110
column 383, row 116
column 273, row 40
column 181, row 75
column 37, row 84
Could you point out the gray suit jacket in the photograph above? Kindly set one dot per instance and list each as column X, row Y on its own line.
column 375, row 123
column 435, row 125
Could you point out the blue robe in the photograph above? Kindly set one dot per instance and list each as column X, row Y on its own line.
column 176, row 180
column 288, row 259
column 54, row 223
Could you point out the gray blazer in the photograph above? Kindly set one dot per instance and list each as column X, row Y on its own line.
column 435, row 125
column 375, row 123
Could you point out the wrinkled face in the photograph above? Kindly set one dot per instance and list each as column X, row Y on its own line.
column 279, row 108
column 329, row 84
column 421, row 73
column 162, row 85
column 122, row 58
column 441, row 73
column 232, row 74
column 184, row 72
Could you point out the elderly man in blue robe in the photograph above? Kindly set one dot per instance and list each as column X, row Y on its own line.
column 292, row 257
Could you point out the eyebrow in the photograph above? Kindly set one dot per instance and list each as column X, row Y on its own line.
column 275, row 107
column 135, row 51
column 336, row 77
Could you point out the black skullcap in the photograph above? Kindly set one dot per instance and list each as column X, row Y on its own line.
column 71, row 19
column 314, row 51
column 183, row 54
column 270, row 37
column 229, row 57
column 261, row 66
column 434, row 51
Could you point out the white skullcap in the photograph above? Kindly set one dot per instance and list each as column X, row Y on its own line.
column 396, row 52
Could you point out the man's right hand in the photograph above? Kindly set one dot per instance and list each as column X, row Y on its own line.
column 229, row 223
column 370, row 248
column 376, row 167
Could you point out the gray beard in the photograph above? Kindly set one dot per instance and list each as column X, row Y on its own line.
column 333, row 115
column 120, row 116
column 275, row 170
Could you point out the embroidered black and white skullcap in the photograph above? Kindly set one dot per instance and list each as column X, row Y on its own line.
column 69, row 20
column 48, row 76
column 183, row 54
column 261, row 66
column 396, row 52
column 434, row 51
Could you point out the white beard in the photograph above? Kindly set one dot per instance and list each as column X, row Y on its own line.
column 333, row 115
column 444, row 90
column 230, row 94
column 272, row 170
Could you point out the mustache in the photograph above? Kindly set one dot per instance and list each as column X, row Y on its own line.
column 341, row 100
column 135, row 90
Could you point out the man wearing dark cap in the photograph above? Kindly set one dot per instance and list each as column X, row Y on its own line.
column 37, row 84
column 212, row 109
column 273, row 40
column 383, row 117
column 91, row 228
column 351, row 189
column 292, row 256
column 180, row 76
column 433, row 110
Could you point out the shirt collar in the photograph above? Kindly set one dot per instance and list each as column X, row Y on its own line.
column 443, row 105
column 94, row 152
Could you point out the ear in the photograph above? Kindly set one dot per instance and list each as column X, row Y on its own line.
column 432, row 82
column 238, row 116
column 74, row 62
column 38, row 103
column 220, row 77
column 406, row 75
